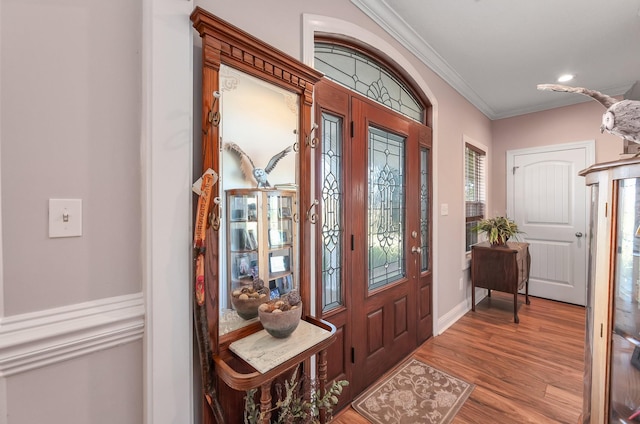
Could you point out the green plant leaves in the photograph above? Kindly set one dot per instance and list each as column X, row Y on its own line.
column 294, row 406
column 498, row 229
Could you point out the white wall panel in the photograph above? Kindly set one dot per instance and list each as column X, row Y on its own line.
column 103, row 387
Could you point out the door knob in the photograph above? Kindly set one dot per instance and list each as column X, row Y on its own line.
column 415, row 249
column 578, row 234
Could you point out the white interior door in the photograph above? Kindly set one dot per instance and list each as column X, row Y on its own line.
column 548, row 201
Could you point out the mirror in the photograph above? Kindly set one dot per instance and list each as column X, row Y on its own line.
column 263, row 127
column 258, row 228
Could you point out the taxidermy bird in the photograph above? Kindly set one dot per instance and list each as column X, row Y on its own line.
column 249, row 170
column 622, row 117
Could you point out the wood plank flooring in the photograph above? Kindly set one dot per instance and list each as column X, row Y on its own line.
column 530, row 372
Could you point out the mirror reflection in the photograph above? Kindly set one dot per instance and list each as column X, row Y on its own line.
column 259, row 225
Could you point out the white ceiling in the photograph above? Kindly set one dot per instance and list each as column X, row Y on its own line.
column 495, row 52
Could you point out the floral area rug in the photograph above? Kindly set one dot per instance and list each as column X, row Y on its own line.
column 413, row 393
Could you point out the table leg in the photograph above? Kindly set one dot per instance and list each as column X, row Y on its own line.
column 526, row 292
column 265, row 402
column 515, row 306
column 473, row 296
column 322, row 381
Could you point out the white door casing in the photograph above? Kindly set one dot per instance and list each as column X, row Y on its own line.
column 549, row 202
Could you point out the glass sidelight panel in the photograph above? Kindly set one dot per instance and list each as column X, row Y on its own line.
column 386, row 214
column 424, row 209
column 331, row 200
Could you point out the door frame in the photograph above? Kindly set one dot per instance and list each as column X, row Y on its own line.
column 312, row 24
column 587, row 145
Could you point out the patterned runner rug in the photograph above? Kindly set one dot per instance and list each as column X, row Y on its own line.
column 413, row 393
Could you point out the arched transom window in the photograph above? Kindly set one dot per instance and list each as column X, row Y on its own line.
column 368, row 77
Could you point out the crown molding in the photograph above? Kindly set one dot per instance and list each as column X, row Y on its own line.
column 33, row 340
column 380, row 12
column 383, row 15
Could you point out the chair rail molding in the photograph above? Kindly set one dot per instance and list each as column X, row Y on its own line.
column 37, row 339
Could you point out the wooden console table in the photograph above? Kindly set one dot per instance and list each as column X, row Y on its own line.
column 270, row 357
column 504, row 268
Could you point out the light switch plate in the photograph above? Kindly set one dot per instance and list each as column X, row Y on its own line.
column 444, row 209
column 65, row 218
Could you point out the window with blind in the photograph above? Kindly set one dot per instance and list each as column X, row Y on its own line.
column 474, row 191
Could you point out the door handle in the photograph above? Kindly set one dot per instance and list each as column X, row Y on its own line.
column 415, row 249
column 578, row 234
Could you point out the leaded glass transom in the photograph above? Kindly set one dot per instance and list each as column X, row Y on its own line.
column 424, row 209
column 331, row 201
column 386, row 218
column 367, row 77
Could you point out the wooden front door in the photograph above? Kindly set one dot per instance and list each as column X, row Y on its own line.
column 374, row 233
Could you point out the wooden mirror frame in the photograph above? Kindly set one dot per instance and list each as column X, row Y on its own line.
column 223, row 43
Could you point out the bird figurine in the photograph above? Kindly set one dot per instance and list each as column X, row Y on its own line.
column 622, row 117
column 249, row 170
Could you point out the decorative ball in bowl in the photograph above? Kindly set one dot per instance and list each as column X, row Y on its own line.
column 280, row 319
column 246, row 302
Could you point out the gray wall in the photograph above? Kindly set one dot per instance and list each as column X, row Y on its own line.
column 71, row 309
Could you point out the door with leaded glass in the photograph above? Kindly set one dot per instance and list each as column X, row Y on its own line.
column 373, row 170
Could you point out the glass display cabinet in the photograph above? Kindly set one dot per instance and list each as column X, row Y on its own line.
column 612, row 349
column 261, row 239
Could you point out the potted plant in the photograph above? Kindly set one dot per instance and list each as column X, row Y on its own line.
column 498, row 229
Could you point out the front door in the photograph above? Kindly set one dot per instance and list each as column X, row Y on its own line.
column 375, row 229
column 548, row 201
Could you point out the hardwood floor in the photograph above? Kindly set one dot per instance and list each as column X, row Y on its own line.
column 530, row 372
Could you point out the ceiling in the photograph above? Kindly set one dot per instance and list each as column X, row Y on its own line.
column 495, row 52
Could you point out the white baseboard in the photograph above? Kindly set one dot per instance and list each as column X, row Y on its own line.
column 32, row 340
column 458, row 311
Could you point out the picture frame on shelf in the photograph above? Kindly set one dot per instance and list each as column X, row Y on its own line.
column 278, row 263
column 284, row 212
column 252, row 241
column 278, row 237
column 285, row 284
column 274, row 293
column 252, row 212
column 243, row 266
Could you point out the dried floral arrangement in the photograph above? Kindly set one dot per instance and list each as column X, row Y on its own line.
column 299, row 401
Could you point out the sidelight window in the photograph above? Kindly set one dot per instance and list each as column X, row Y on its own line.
column 331, row 199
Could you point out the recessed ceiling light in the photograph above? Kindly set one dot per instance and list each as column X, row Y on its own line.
column 565, row 77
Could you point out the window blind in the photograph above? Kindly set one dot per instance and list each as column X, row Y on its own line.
column 474, row 191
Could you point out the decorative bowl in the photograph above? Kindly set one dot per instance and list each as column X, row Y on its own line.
column 280, row 324
column 248, row 308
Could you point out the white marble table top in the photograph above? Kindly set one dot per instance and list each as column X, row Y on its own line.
column 265, row 352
